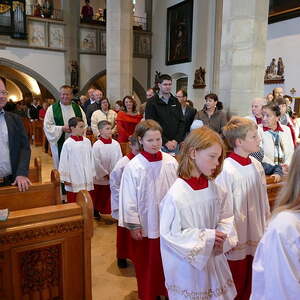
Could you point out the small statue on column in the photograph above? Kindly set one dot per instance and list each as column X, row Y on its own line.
column 199, row 81
column 156, row 81
column 74, row 74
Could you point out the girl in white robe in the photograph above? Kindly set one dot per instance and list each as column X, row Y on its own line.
column 145, row 181
column 196, row 224
column 76, row 166
column 244, row 179
column 106, row 152
column 276, row 265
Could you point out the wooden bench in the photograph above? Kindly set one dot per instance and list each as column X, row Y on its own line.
column 273, row 189
column 45, row 252
column 125, row 148
column 38, row 195
column 35, row 171
column 38, row 132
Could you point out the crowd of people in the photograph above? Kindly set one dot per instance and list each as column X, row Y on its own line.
column 190, row 197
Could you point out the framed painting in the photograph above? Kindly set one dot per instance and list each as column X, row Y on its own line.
column 283, row 10
column 179, row 33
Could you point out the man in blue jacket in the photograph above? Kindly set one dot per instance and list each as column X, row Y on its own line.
column 165, row 109
column 14, row 146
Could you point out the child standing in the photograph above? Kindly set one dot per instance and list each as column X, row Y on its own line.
column 276, row 265
column 76, row 165
column 106, row 152
column 145, row 181
column 244, row 179
column 197, row 225
column 124, row 247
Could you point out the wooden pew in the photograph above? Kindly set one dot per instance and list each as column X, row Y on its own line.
column 38, row 132
column 273, row 189
column 35, row 171
column 125, row 148
column 45, row 252
column 38, row 195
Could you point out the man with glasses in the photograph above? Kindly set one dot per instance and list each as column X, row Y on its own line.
column 14, row 146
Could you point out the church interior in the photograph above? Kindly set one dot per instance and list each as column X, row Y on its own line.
column 239, row 50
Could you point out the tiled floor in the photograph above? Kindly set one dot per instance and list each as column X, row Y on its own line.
column 109, row 282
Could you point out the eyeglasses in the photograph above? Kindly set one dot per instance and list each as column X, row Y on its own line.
column 4, row 93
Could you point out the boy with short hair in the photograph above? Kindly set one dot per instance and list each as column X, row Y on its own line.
column 106, row 153
column 76, row 165
column 123, row 244
column 244, row 179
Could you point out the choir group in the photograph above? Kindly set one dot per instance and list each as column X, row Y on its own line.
column 195, row 227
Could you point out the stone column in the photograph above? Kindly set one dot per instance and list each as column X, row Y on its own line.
column 119, row 37
column 243, row 47
column 71, row 11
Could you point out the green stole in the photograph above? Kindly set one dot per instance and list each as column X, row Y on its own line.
column 59, row 121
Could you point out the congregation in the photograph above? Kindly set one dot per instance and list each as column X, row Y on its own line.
column 189, row 196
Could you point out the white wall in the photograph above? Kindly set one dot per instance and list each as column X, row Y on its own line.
column 284, row 41
column 90, row 65
column 202, row 47
column 48, row 64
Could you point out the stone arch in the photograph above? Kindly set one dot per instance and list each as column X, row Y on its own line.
column 32, row 73
column 136, row 86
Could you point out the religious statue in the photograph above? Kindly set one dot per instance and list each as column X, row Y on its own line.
column 199, row 81
column 47, row 9
column 274, row 73
column 74, row 74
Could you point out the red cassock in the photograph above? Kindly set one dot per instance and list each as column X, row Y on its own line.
column 126, row 124
column 124, row 244
column 149, row 269
column 101, row 198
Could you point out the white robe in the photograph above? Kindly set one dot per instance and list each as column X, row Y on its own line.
column 98, row 116
column 143, row 186
column 188, row 221
column 77, row 165
column 269, row 148
column 115, row 182
column 246, row 185
column 276, row 265
column 105, row 156
column 54, row 132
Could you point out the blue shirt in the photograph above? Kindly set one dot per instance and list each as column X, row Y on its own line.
column 5, row 164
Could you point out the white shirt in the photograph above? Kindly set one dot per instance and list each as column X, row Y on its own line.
column 276, row 265
column 143, row 186
column 188, row 221
column 77, row 165
column 5, row 163
column 105, row 156
column 246, row 186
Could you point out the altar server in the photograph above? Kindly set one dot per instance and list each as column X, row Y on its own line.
column 276, row 265
column 197, row 225
column 76, row 166
column 124, row 244
column 244, row 179
column 106, row 152
column 145, row 181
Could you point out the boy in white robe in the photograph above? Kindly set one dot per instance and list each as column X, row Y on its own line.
column 145, row 181
column 56, row 121
column 276, row 265
column 123, row 239
column 106, row 152
column 244, row 179
column 196, row 224
column 76, row 166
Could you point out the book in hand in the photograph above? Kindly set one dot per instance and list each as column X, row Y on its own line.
column 4, row 214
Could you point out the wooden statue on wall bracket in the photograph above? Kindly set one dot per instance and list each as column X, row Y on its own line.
column 199, row 81
column 275, row 72
column 74, row 74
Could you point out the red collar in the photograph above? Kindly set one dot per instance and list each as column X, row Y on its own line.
column 258, row 120
column 197, row 183
column 152, row 157
column 130, row 155
column 241, row 160
column 278, row 128
column 76, row 138
column 105, row 141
